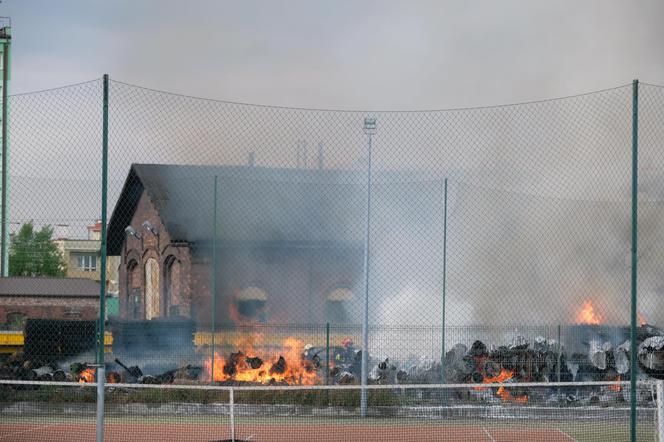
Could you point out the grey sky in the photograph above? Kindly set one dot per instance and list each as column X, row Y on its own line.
column 341, row 54
column 518, row 173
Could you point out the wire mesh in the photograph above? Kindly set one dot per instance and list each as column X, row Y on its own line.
column 498, row 240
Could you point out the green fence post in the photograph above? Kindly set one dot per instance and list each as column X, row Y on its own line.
column 327, row 353
column 442, row 355
column 101, row 372
column 213, row 282
column 635, row 157
column 560, row 354
column 104, row 199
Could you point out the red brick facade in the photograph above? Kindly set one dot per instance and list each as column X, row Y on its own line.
column 49, row 307
column 173, row 261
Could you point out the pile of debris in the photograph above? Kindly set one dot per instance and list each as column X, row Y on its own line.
column 134, row 375
column 16, row 367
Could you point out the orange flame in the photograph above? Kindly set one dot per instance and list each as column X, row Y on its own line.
column 587, row 315
column 642, row 319
column 502, row 392
column 617, row 386
column 500, row 378
column 286, row 365
column 113, row 377
column 505, row 395
column 87, row 375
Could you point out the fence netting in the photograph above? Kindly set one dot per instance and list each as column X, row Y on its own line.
column 478, row 412
column 247, row 244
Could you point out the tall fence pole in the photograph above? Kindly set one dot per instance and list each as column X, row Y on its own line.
column 369, row 129
column 101, row 374
column 213, row 282
column 635, row 157
column 442, row 355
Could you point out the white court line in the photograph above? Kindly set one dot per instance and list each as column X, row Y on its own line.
column 566, row 435
column 29, row 430
column 488, row 435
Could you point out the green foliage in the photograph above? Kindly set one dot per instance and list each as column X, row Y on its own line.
column 33, row 253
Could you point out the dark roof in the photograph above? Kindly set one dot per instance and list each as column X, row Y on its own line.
column 64, row 287
column 257, row 205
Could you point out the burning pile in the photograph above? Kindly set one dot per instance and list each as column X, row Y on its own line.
column 288, row 367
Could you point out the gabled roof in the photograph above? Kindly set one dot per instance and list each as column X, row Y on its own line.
column 50, row 287
column 259, row 205
column 254, row 204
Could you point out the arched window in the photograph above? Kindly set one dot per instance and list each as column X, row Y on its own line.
column 336, row 305
column 251, row 304
column 152, row 295
column 172, row 286
column 133, row 293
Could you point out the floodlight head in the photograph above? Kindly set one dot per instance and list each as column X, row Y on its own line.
column 147, row 225
column 129, row 230
column 369, row 125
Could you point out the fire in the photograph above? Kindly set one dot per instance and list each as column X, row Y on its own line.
column 642, row 319
column 503, row 392
column 587, row 315
column 617, row 386
column 505, row 395
column 113, row 378
column 500, row 378
column 87, row 375
column 247, row 365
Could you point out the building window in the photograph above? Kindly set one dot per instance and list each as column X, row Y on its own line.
column 73, row 313
column 336, row 306
column 152, row 294
column 133, row 301
column 172, row 286
column 85, row 262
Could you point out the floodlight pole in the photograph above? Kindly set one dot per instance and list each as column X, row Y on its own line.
column 369, row 129
column 5, row 43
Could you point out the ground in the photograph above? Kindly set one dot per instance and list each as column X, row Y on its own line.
column 183, row 428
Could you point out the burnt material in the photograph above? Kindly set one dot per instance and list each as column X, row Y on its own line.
column 230, row 368
column 255, row 362
column 279, row 367
column 133, row 371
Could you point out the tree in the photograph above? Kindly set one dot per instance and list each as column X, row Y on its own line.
column 33, row 253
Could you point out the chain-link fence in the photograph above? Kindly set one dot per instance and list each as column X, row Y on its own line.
column 254, row 244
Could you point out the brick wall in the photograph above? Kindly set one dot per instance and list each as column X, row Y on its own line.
column 49, row 307
column 135, row 255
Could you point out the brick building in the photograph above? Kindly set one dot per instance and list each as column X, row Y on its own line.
column 289, row 243
column 49, row 298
